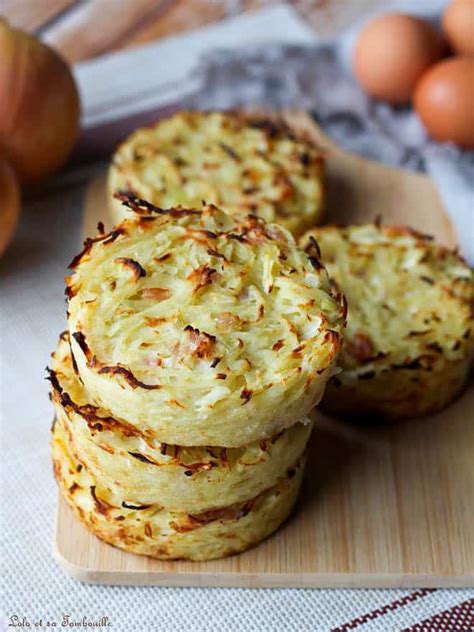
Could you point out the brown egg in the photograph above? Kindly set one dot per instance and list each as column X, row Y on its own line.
column 458, row 26
column 391, row 54
column 444, row 100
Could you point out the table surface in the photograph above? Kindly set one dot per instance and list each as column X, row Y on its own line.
column 85, row 29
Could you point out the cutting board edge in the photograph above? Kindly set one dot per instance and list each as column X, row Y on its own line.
column 257, row 580
column 200, row 579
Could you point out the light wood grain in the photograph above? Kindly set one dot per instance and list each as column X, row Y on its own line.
column 97, row 27
column 381, row 506
column 179, row 16
column 82, row 29
column 31, row 15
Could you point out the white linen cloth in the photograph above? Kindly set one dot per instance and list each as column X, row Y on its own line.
column 33, row 586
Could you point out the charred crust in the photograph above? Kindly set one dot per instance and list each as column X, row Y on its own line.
column 81, row 341
column 434, row 346
column 275, row 438
column 128, row 377
column 251, row 190
column 236, row 236
column 296, row 353
column 73, row 359
column 271, row 128
column 316, row 263
column 332, row 336
column 145, row 220
column 214, row 253
column 137, row 270
column 126, row 505
column 202, row 276
column 230, row 152
column 174, row 452
column 89, row 242
column 421, row 362
column 313, row 249
column 89, row 412
column 246, row 395
column 136, row 204
column 203, row 342
column 342, row 300
column 142, row 458
column 53, row 379
column 427, row 279
column 101, row 506
column 314, row 253
column 164, row 257
column 179, row 161
column 143, row 207
column 394, row 231
column 414, row 333
column 305, row 159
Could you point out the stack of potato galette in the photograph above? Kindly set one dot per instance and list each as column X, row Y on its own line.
column 197, row 345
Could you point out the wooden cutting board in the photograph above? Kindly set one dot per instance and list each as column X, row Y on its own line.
column 384, row 507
